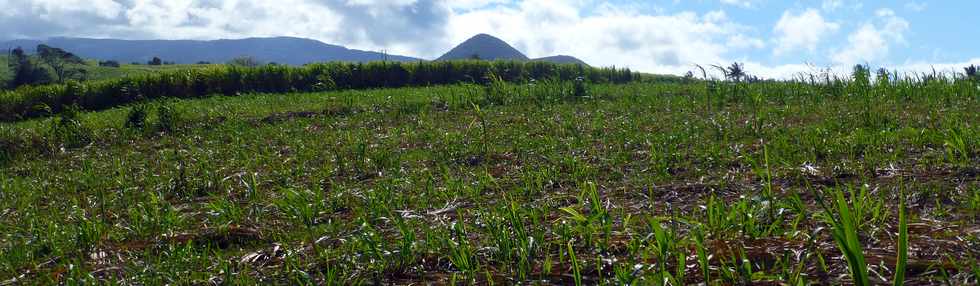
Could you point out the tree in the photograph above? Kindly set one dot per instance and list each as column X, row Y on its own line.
column 884, row 77
column 245, row 61
column 109, row 63
column 156, row 61
column 862, row 75
column 971, row 72
column 65, row 65
column 735, row 72
column 24, row 70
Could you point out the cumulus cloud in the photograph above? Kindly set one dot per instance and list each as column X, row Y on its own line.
column 873, row 40
column 802, row 30
column 473, row 4
column 608, row 34
column 402, row 26
column 668, row 43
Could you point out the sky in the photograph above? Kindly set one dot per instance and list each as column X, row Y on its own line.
column 774, row 39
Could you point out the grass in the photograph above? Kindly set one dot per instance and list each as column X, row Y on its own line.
column 520, row 183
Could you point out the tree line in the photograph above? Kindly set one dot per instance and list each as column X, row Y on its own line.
column 50, row 65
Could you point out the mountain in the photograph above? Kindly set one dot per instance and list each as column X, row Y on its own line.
column 484, row 47
column 561, row 59
column 487, row 47
column 283, row 50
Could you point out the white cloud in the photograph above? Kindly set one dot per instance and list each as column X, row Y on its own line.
column 670, row 43
column 873, row 40
column 399, row 26
column 601, row 33
column 473, row 4
column 741, row 3
column 801, row 31
column 831, row 5
column 928, row 68
column 916, row 6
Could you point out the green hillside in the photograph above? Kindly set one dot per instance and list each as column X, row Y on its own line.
column 548, row 182
column 4, row 72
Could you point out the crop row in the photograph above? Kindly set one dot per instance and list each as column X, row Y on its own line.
column 39, row 101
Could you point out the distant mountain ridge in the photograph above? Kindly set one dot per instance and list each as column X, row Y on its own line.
column 283, row 50
column 487, row 47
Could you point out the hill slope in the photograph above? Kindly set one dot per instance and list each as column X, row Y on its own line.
column 283, row 50
column 560, row 59
column 484, row 47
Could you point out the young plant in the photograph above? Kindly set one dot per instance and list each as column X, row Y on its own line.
column 844, row 231
column 168, row 118
column 303, row 207
column 903, row 243
column 576, row 265
column 67, row 131
column 702, row 255
column 461, row 253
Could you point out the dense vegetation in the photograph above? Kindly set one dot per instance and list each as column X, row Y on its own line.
column 558, row 182
column 35, row 101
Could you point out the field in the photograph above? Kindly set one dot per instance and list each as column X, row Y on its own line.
column 534, row 183
column 95, row 72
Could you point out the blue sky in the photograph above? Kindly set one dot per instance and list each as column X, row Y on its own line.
column 773, row 38
column 937, row 31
